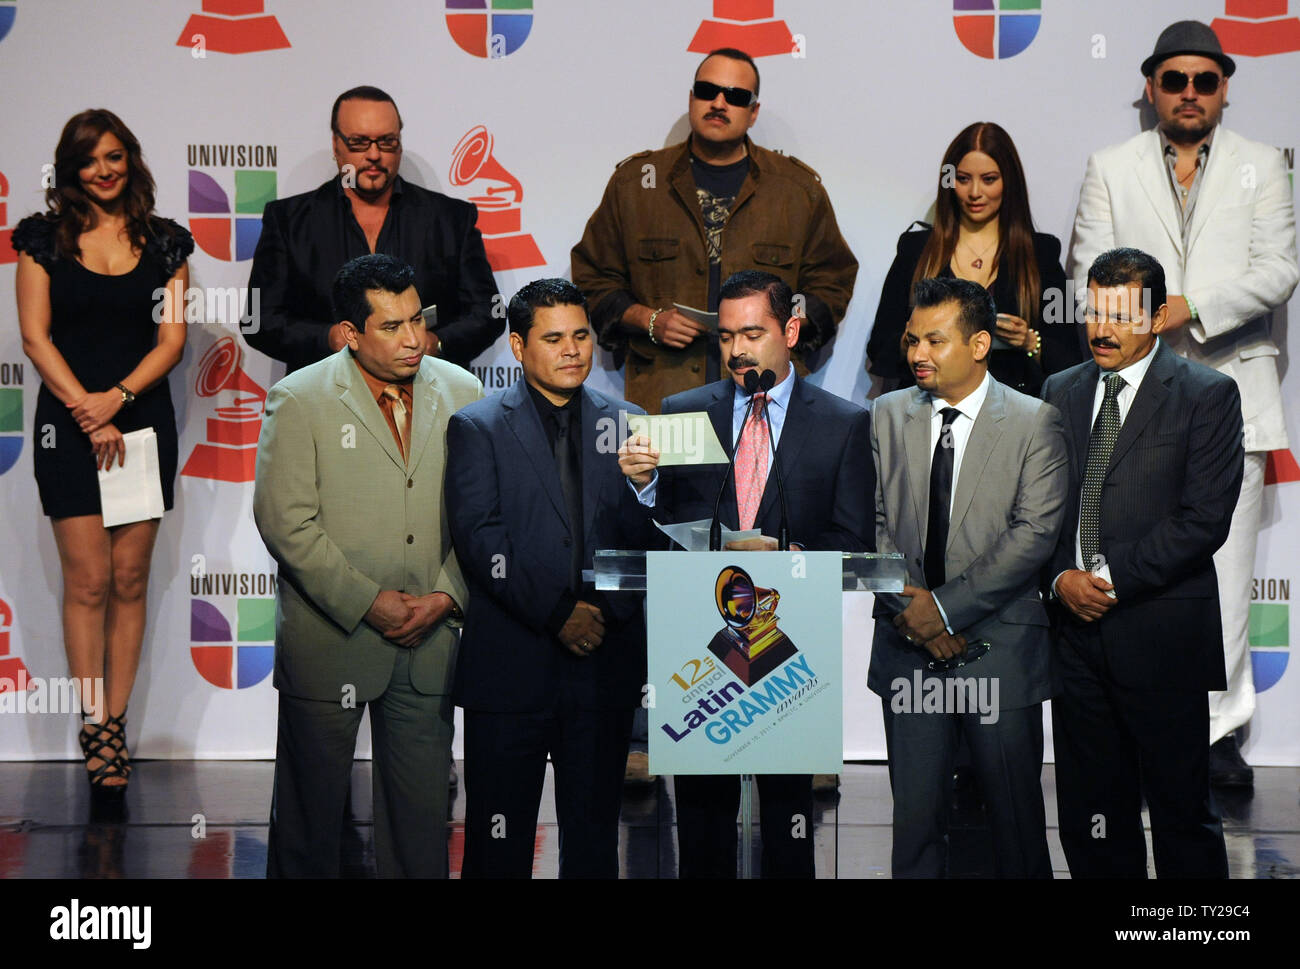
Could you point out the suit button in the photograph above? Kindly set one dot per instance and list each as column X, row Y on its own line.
column 410, row 539
column 410, row 482
column 568, row 542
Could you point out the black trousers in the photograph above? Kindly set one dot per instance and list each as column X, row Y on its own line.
column 316, row 739
column 1114, row 745
column 1007, row 757
column 505, row 767
column 706, row 825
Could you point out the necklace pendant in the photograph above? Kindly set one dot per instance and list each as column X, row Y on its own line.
column 977, row 264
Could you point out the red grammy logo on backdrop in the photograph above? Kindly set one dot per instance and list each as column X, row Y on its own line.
column 750, row 25
column 498, row 197
column 230, row 451
column 1257, row 28
column 233, row 27
column 7, row 253
column 13, row 674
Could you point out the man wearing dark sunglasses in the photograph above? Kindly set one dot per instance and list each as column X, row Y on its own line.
column 369, row 208
column 676, row 222
column 1216, row 212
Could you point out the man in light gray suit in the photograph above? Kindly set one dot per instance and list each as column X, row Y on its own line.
column 349, row 501
column 970, row 487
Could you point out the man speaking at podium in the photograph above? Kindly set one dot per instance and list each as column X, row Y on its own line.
column 823, row 444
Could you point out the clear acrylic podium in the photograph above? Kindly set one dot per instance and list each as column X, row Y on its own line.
column 623, row 570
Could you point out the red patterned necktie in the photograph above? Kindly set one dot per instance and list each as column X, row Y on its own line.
column 751, row 464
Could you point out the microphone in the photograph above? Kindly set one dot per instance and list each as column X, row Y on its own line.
column 765, row 383
column 752, row 382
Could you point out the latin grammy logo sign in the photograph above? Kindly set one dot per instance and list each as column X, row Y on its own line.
column 233, row 27
column 750, row 25
column 750, row 643
column 498, row 197
column 230, row 451
column 7, row 253
column 12, row 670
column 1257, row 28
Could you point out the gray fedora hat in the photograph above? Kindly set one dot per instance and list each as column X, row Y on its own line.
column 1188, row 37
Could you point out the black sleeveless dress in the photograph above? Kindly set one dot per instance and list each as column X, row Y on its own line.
column 103, row 326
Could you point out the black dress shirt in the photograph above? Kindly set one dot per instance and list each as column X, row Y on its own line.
column 307, row 238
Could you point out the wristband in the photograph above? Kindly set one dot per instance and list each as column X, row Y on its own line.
column 1038, row 344
column 1191, row 308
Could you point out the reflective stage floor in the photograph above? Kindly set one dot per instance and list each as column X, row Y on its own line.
column 208, row 819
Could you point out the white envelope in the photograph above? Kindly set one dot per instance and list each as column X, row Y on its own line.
column 133, row 492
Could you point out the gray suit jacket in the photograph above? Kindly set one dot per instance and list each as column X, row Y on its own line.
column 1007, row 511
column 345, row 517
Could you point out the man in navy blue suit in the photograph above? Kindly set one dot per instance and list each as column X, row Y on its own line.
column 547, row 664
column 823, row 446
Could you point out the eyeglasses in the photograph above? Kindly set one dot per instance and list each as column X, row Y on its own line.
column 973, row 652
column 737, row 97
column 1175, row 82
column 387, row 143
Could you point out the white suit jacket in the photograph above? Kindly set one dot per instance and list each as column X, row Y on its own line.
column 1240, row 262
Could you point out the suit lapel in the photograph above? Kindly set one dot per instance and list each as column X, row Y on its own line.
column 916, row 445
column 1078, row 405
column 983, row 438
column 425, row 401
column 800, row 417
column 1150, row 396
column 594, row 411
column 1216, row 182
column 720, row 416
column 521, row 418
column 355, row 395
column 1153, row 176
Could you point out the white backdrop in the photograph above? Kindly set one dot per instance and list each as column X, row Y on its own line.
column 879, row 91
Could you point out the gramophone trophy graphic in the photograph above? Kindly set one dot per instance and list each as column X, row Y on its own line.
column 234, row 27
column 750, row 25
column 750, row 644
column 1257, row 28
column 498, row 202
column 230, row 451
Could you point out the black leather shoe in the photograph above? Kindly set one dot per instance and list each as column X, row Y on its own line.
column 1227, row 768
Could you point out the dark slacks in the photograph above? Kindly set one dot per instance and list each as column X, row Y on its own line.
column 1007, row 758
column 505, row 767
column 1114, row 745
column 706, row 825
column 316, row 739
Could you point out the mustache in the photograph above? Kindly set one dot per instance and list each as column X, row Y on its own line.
column 743, row 360
column 720, row 115
column 1102, row 342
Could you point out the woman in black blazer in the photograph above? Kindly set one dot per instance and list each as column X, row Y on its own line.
column 983, row 232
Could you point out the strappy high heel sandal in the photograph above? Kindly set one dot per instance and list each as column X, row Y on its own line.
column 106, row 742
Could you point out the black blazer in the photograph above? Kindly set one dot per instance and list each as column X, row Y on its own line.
column 510, row 529
column 307, row 238
column 825, row 457
column 1061, row 344
column 1166, row 506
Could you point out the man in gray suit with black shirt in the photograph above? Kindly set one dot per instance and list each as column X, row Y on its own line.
column 970, row 488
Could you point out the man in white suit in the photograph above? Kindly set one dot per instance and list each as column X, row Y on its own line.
column 1216, row 211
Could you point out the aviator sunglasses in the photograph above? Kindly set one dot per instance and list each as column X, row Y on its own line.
column 1175, row 82
column 737, row 97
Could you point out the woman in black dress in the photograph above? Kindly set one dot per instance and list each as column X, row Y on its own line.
column 101, row 281
column 983, row 232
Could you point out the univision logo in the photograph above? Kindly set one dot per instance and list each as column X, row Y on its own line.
column 11, row 414
column 996, row 28
column 1269, row 630
column 224, row 229
column 232, row 627
column 8, row 11
column 489, row 28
